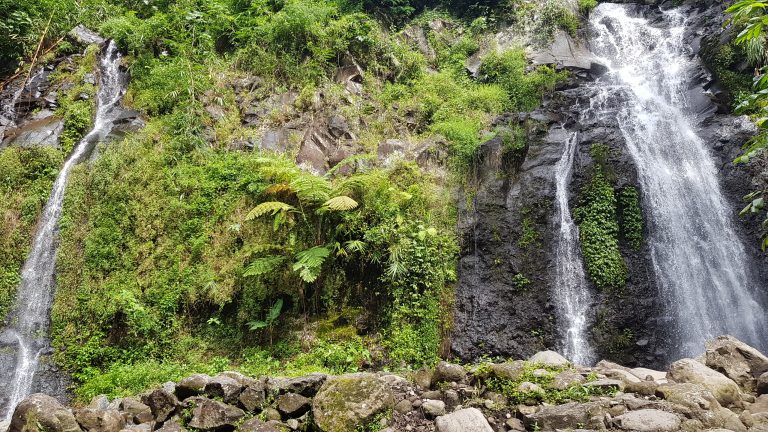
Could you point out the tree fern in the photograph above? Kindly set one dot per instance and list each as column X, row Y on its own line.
column 309, row 262
column 264, row 265
column 269, row 207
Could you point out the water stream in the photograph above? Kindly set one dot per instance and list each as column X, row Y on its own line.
column 699, row 263
column 572, row 296
column 27, row 326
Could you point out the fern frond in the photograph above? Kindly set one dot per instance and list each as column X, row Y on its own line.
column 355, row 246
column 278, row 188
column 310, row 188
column 264, row 265
column 309, row 262
column 340, row 203
column 271, row 207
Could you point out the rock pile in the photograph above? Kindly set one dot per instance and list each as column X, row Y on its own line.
column 726, row 389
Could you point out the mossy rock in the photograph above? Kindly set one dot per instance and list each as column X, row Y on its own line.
column 347, row 402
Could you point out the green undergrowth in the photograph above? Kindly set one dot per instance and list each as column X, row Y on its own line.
column 542, row 376
column 631, row 216
column 26, row 178
column 596, row 216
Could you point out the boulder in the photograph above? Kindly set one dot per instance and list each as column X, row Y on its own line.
column 172, row 426
column 465, row 420
column 566, row 379
column 644, row 374
column 82, row 36
column 192, row 386
column 293, row 405
column 224, row 387
column 607, row 384
column 725, row 390
column 98, row 420
column 736, row 360
column 549, row 358
column 564, row 416
column 253, row 397
column 447, row 372
column 346, row 402
column 508, row 370
column 423, row 378
column 762, row 384
column 701, row 404
column 210, row 415
column 433, row 408
column 648, row 420
column 307, row 385
column 567, row 52
column 257, row 425
column 42, row 413
column 162, row 403
column 135, row 411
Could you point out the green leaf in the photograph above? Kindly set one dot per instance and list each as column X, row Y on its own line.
column 340, row 203
column 309, row 262
column 269, row 207
column 261, row 266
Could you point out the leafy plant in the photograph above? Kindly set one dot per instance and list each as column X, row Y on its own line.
column 269, row 320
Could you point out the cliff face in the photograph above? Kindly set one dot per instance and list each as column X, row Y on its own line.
column 509, row 225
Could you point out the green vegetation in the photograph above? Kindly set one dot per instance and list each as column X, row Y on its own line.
column 180, row 254
column 749, row 16
column 585, row 6
column 598, row 224
column 630, row 217
column 26, row 178
column 543, row 377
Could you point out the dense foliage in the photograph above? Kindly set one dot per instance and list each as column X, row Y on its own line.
column 182, row 251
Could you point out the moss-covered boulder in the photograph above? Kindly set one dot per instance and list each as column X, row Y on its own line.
column 42, row 413
column 347, row 402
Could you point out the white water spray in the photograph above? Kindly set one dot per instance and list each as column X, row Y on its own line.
column 572, row 297
column 699, row 263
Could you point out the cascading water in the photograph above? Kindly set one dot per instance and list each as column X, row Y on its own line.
column 573, row 300
column 700, row 266
column 27, row 325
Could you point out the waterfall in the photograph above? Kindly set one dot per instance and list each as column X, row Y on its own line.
column 702, row 269
column 572, row 297
column 27, row 325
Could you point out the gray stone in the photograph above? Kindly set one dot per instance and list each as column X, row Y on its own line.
column 213, row 415
column 257, row 425
column 162, row 404
column 449, row 372
column 253, row 397
column 762, row 384
column 98, row 420
column 549, row 358
column 348, row 401
column 99, row 402
column 433, row 408
column 566, row 52
column 564, row 416
column 644, row 374
column 607, row 384
column 725, row 390
column 293, row 405
column 81, row 36
column 192, row 386
column 172, row 426
column 224, row 387
column 135, row 411
column 509, row 370
column 42, row 413
column 648, row 420
column 465, row 420
column 736, row 360
column 566, row 379
column 403, row 406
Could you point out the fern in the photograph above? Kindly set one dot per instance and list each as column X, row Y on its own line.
column 261, row 266
column 309, row 262
column 278, row 188
column 271, row 207
column 311, row 189
column 340, row 203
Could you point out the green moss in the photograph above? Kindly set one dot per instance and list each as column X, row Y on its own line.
column 631, row 217
column 723, row 63
column 520, row 282
column 596, row 217
column 585, row 6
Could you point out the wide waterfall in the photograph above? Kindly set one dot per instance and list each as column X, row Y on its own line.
column 572, row 298
column 27, row 326
column 701, row 268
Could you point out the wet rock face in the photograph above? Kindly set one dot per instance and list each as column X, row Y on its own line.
column 493, row 315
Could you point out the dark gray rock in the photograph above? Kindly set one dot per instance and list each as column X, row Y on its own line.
column 224, row 387
column 210, row 415
column 162, row 404
column 193, row 385
column 293, row 405
column 99, row 420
